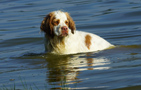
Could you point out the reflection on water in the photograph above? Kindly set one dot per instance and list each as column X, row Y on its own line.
column 65, row 69
column 68, row 67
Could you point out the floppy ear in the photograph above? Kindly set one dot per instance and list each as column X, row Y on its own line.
column 47, row 26
column 71, row 22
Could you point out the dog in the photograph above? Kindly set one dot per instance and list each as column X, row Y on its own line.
column 61, row 36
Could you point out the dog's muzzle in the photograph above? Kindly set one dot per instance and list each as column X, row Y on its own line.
column 64, row 31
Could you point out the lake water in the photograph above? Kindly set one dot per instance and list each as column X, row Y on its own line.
column 24, row 65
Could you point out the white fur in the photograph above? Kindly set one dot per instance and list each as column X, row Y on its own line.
column 73, row 43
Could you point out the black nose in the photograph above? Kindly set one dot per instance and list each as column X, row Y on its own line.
column 64, row 28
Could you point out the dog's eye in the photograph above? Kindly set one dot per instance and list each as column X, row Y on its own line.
column 56, row 22
column 66, row 22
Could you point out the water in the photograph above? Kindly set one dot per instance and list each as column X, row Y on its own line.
column 25, row 65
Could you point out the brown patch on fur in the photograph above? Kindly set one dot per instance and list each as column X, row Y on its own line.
column 88, row 41
column 71, row 23
column 47, row 25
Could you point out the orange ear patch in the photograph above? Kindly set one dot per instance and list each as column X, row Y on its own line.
column 47, row 25
column 88, row 41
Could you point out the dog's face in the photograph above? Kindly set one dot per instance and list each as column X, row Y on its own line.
column 58, row 23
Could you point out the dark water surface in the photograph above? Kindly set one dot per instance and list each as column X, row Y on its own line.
column 25, row 65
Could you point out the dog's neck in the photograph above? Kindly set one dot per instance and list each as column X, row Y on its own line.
column 57, row 44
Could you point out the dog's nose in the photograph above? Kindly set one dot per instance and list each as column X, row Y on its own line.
column 64, row 31
column 64, row 28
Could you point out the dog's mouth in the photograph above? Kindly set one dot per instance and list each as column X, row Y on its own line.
column 63, row 34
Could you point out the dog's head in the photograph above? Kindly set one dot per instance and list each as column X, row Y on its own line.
column 58, row 23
